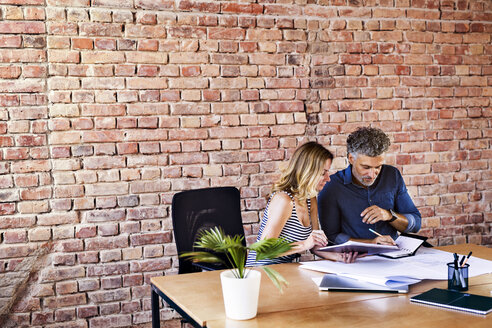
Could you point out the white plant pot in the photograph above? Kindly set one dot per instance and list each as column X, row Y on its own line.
column 240, row 295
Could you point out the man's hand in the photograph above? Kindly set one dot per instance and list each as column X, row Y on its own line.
column 374, row 214
column 384, row 240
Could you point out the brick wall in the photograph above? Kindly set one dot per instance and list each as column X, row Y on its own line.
column 107, row 108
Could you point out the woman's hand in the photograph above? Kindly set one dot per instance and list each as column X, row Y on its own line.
column 317, row 238
column 349, row 257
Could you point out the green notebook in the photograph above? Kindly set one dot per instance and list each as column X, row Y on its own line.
column 455, row 300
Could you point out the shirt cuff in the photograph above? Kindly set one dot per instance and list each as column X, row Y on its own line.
column 341, row 238
column 412, row 222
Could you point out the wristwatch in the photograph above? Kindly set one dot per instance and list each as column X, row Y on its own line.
column 393, row 216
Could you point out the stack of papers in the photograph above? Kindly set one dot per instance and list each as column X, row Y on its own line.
column 428, row 263
column 388, row 281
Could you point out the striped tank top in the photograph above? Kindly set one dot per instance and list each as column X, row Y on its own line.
column 293, row 231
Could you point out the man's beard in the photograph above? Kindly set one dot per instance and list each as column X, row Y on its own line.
column 361, row 179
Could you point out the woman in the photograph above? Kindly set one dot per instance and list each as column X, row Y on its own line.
column 292, row 212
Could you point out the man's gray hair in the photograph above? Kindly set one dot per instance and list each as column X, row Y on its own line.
column 367, row 141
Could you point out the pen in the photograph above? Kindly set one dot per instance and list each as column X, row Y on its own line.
column 457, row 279
column 380, row 235
column 466, row 260
column 462, row 260
column 375, row 232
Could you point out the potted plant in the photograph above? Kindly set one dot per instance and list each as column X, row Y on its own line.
column 240, row 285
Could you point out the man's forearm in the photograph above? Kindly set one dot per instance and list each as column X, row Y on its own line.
column 401, row 222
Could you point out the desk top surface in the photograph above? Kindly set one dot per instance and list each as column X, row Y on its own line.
column 302, row 304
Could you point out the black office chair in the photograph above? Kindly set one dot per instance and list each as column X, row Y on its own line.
column 203, row 209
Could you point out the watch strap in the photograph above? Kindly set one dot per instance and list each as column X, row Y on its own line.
column 393, row 216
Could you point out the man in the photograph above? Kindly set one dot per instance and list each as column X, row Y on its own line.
column 367, row 194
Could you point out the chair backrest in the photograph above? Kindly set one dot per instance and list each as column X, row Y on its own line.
column 202, row 209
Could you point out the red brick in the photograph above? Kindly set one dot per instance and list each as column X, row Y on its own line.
column 150, row 265
column 106, row 296
column 242, row 8
column 10, row 41
column 22, row 27
column 187, row 32
column 284, row 10
column 42, row 318
column 62, row 28
column 146, row 18
column 105, row 44
column 65, row 315
column 148, row 45
column 64, row 301
column 87, row 311
column 120, row 320
column 209, row 7
column 100, row 29
column 226, row 33
column 108, row 269
column 150, row 238
column 15, row 236
column 152, row 5
column 11, row 72
column 85, row 232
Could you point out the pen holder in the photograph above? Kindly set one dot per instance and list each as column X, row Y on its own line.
column 458, row 277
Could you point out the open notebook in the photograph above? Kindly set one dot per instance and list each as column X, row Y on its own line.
column 407, row 246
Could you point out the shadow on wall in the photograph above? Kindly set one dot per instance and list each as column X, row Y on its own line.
column 16, row 283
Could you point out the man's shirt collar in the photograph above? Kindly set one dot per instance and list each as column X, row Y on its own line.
column 347, row 175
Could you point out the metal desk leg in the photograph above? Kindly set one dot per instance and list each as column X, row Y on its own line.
column 156, row 293
column 156, row 320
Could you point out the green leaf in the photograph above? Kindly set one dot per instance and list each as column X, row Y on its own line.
column 277, row 279
column 270, row 248
column 237, row 256
column 202, row 257
column 212, row 239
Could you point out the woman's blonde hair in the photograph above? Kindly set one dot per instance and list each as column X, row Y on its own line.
column 301, row 175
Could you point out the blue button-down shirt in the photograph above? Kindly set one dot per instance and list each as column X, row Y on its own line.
column 341, row 201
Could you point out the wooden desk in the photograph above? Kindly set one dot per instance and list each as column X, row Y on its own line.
column 198, row 297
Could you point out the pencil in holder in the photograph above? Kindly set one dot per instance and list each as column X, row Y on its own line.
column 458, row 277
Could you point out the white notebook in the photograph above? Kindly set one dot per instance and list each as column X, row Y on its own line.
column 407, row 246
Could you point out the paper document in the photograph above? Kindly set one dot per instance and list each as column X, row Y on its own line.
column 427, row 263
column 355, row 246
column 389, row 281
